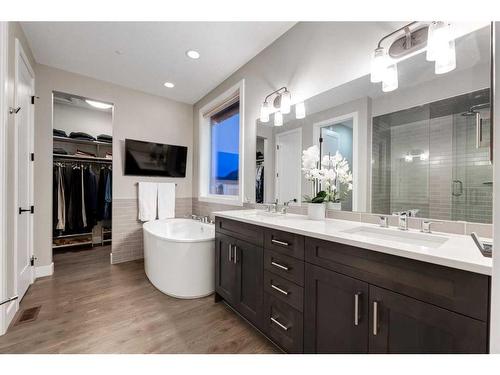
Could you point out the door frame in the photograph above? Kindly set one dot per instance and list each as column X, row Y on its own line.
column 3, row 173
column 359, row 190
column 276, row 161
column 20, row 55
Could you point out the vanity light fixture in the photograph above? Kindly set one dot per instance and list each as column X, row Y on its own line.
column 97, row 104
column 169, row 85
column 282, row 104
column 416, row 36
column 300, row 110
column 278, row 118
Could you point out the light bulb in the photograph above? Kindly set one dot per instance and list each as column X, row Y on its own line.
column 446, row 59
column 97, row 104
column 408, row 158
column 378, row 65
column 264, row 112
column 286, row 100
column 278, row 119
column 300, row 110
column 390, row 79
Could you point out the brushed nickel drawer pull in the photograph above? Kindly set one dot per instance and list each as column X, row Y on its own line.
column 280, row 266
column 286, row 293
column 282, row 326
column 375, row 318
column 230, row 253
column 278, row 242
column 356, row 308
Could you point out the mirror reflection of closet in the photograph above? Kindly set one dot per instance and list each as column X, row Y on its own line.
column 82, row 173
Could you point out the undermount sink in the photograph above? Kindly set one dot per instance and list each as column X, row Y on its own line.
column 418, row 239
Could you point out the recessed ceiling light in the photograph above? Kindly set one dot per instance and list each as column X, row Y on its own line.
column 193, row 54
column 99, row 105
column 169, row 85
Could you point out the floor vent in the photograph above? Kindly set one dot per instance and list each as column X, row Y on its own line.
column 28, row 315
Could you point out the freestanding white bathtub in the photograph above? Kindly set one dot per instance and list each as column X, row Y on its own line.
column 179, row 257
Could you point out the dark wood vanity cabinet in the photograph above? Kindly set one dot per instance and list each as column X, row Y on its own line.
column 239, row 276
column 315, row 296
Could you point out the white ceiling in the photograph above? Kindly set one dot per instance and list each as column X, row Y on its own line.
column 144, row 55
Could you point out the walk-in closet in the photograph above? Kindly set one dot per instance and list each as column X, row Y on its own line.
column 82, row 172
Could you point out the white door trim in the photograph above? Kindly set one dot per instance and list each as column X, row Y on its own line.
column 21, row 55
column 3, row 174
column 358, row 186
column 276, row 161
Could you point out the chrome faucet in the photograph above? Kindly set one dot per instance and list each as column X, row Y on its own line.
column 403, row 221
column 383, row 221
column 284, row 209
column 425, row 226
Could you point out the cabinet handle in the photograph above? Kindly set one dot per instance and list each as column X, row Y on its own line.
column 282, row 326
column 375, row 318
column 230, row 253
column 235, row 257
column 282, row 291
column 356, row 308
column 280, row 266
column 278, row 242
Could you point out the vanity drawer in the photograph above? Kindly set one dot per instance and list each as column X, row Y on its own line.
column 290, row 244
column 456, row 290
column 283, row 324
column 247, row 232
column 282, row 265
column 284, row 290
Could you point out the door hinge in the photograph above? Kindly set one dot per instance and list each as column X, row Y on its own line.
column 33, row 97
column 277, row 147
column 32, row 156
column 277, row 174
column 32, row 260
column 32, row 209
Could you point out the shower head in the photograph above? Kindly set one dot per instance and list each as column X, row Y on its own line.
column 473, row 110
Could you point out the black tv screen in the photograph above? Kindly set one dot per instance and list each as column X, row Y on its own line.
column 154, row 159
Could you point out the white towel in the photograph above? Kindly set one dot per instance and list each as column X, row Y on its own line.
column 148, row 192
column 166, row 200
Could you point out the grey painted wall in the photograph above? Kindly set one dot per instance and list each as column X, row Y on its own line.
column 136, row 115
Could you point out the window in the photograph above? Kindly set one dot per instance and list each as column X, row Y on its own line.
column 225, row 144
column 221, row 148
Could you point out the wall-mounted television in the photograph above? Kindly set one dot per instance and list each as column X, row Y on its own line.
column 154, row 159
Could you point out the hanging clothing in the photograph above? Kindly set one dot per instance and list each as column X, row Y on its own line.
column 259, row 184
column 76, row 220
column 104, row 195
column 90, row 188
column 61, row 201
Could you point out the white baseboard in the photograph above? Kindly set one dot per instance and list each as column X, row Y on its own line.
column 42, row 271
column 10, row 312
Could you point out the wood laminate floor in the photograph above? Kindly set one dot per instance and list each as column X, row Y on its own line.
column 90, row 306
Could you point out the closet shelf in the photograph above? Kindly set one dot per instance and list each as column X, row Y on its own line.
column 74, row 235
column 81, row 141
column 72, row 244
column 85, row 158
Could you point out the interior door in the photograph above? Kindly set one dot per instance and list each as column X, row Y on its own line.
column 336, row 313
column 288, row 166
column 250, row 266
column 400, row 324
column 24, row 147
column 225, row 275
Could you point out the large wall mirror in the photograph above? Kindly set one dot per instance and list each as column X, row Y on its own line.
column 422, row 146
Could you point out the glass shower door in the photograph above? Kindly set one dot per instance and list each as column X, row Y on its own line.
column 471, row 190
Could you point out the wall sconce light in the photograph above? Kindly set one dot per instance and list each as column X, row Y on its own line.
column 436, row 36
column 282, row 104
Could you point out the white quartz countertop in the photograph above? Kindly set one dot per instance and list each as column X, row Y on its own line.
column 459, row 251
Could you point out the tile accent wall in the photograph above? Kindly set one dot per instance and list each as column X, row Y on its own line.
column 127, row 230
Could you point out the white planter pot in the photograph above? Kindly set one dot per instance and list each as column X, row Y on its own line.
column 335, row 206
column 316, row 211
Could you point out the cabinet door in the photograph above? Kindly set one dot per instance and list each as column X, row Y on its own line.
column 335, row 313
column 225, row 273
column 249, row 281
column 400, row 324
